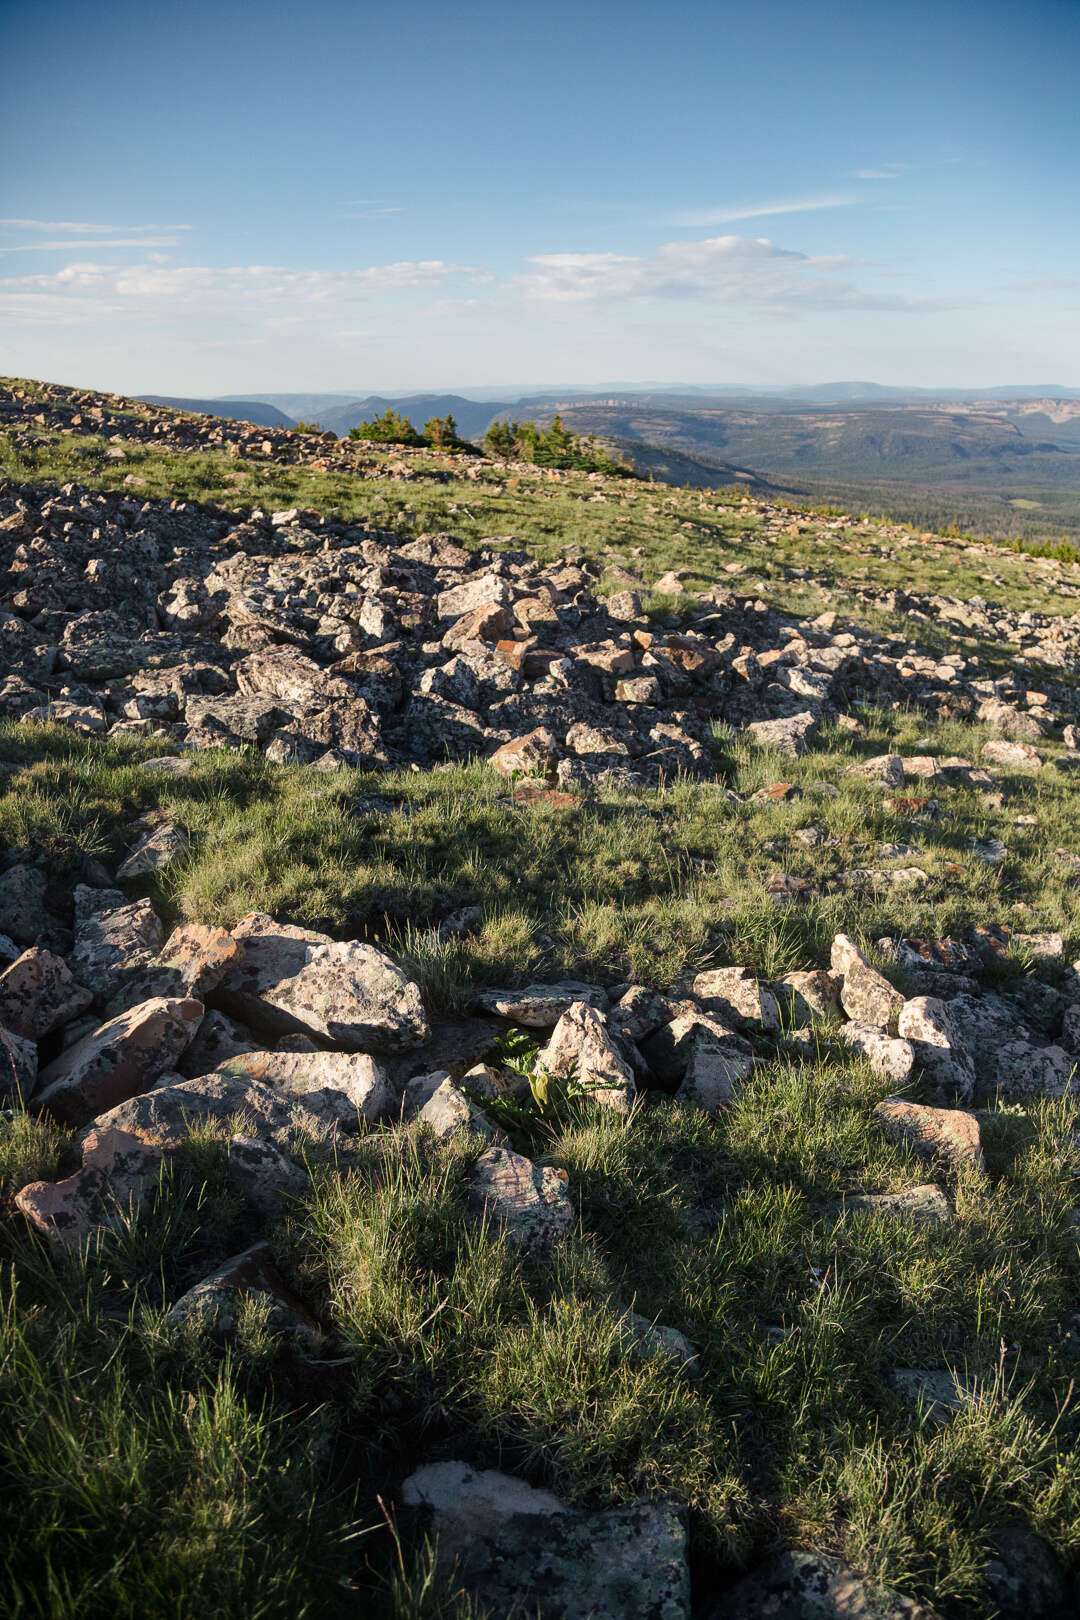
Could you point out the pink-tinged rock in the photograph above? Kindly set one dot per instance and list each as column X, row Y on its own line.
column 480, row 591
column 193, row 961
column 339, row 1088
column 580, row 1045
column 117, row 1172
column 18, row 1068
column 946, row 1134
column 292, row 979
column 535, row 754
column 38, row 994
column 216, row 1302
column 529, row 1203
column 489, row 623
column 165, row 1116
column 119, row 1060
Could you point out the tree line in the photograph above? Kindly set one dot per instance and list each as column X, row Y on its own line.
column 554, row 446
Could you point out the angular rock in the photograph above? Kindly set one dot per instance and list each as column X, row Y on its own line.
column 886, row 771
column 38, row 994
column 118, row 1060
column 118, row 1170
column 219, row 1038
column 805, row 996
column 865, row 994
column 892, row 1059
column 580, row 1045
column 529, row 1203
column 18, row 1068
column 449, row 1112
column 338, row 1088
column 737, row 998
column 350, row 994
column 193, row 961
column 216, row 1302
column 159, row 848
column 791, row 736
column 459, row 1503
column 946, row 1135
column 263, row 1175
column 164, row 1117
column 813, row 1586
column 938, row 1046
column 927, row 1205
column 113, row 938
column 669, row 1051
column 713, row 1073
column 611, row 1565
column 535, row 754
column 22, row 904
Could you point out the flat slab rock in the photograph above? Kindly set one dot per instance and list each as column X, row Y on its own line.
column 811, row 1586
column 348, row 993
column 927, row 1205
column 540, row 1006
column 621, row 1564
column 165, row 1116
column 457, row 1503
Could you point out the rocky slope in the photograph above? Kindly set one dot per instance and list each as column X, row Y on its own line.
column 333, row 646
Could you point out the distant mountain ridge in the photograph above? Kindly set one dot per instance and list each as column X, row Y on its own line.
column 246, row 410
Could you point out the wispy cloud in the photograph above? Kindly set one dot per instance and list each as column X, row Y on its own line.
column 370, row 208
column 887, row 171
column 793, row 205
column 728, row 269
column 82, row 229
column 94, row 242
column 268, row 293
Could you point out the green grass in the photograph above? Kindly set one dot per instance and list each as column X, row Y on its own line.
column 148, row 1471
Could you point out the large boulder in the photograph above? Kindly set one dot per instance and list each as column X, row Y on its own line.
column 117, row 1060
column 347, row 993
column 339, row 1088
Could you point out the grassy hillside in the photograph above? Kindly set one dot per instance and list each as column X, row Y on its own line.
column 150, row 1470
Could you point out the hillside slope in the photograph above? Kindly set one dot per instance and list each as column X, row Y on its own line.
column 235, row 410
column 526, row 993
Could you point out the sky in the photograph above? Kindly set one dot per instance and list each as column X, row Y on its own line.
column 207, row 198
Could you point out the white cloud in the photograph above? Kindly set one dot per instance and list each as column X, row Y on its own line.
column 729, row 269
column 84, row 229
column 96, row 242
column 794, row 205
column 887, row 171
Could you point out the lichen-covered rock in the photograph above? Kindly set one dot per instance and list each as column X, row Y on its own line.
column 812, row 1586
column 349, row 993
column 38, row 994
column 165, row 1116
column 160, row 847
column 806, row 996
column 449, row 1112
column 540, row 1006
column 865, row 994
column 23, row 915
column 536, row 754
column 580, row 1045
column 216, row 1302
column 654, row 1339
column 891, row 1058
column 791, row 736
column 714, row 1071
column 668, row 1052
column 737, row 998
column 626, row 1563
column 193, row 961
column 118, row 1170
column 118, row 1060
column 113, row 938
column 927, row 1204
column 938, row 1046
column 529, row 1203
column 947, row 1135
column 341, row 1089
column 263, row 1175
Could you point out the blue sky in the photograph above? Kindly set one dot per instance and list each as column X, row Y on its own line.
column 208, row 198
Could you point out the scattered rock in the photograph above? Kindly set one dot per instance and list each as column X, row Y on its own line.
column 118, row 1170
column 947, row 1135
column 459, row 1503
column 118, row 1060
column 38, row 994
column 251, row 1277
column 927, row 1205
column 891, row 1058
column 938, row 1046
column 529, row 1203
column 812, row 1586
column 580, row 1045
